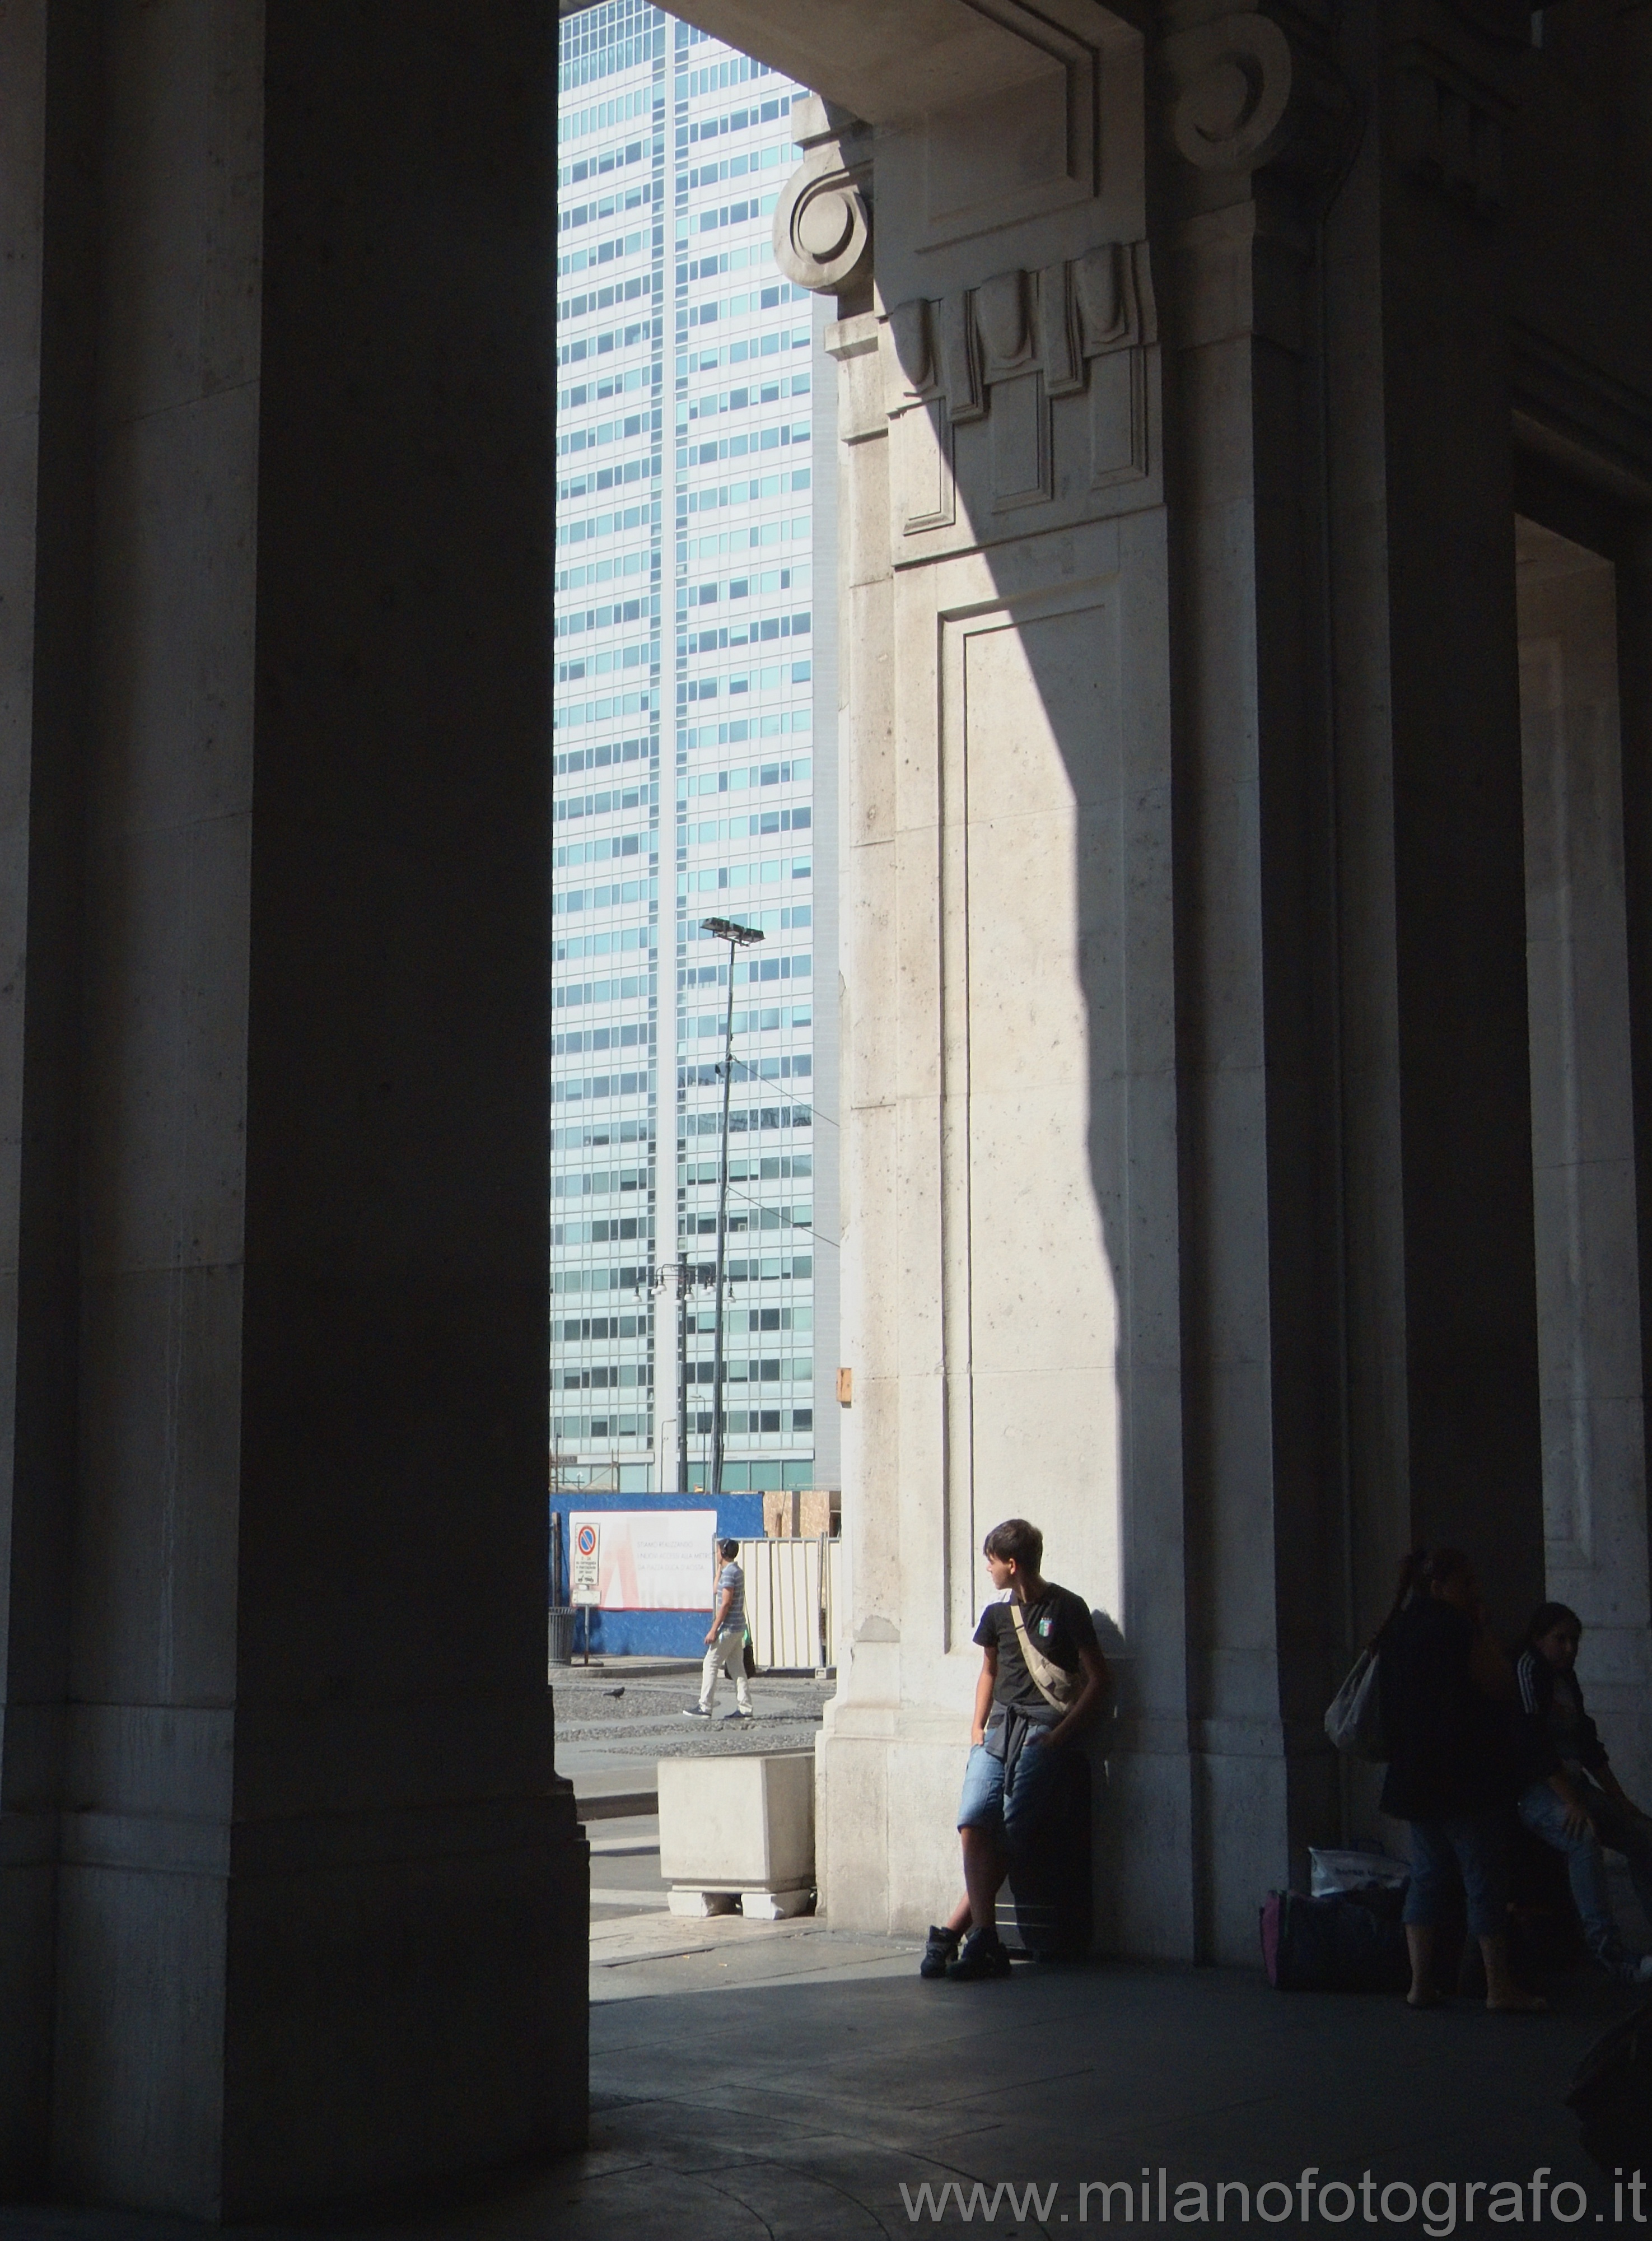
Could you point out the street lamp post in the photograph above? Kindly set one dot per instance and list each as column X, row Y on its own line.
column 738, row 938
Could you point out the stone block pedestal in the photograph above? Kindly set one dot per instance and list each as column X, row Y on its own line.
column 738, row 1829
column 698, row 1904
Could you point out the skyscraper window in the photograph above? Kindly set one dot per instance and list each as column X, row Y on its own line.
column 695, row 762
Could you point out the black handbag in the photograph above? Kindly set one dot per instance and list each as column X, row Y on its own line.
column 1611, row 2092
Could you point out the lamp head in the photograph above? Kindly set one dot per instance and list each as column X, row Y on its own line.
column 727, row 929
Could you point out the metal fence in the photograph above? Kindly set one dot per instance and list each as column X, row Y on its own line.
column 793, row 1593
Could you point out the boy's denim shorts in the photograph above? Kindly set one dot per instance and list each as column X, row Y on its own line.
column 985, row 1803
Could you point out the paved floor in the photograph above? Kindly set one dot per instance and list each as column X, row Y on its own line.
column 788, row 2083
column 801, row 2104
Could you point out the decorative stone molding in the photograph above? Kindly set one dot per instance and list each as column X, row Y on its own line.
column 960, row 358
column 1449, row 127
column 854, row 344
column 1050, row 322
column 912, row 367
column 1594, row 427
column 823, row 219
column 1005, row 352
column 1245, row 96
column 1233, row 82
column 1457, row 81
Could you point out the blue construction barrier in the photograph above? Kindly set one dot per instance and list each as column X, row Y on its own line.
column 650, row 1633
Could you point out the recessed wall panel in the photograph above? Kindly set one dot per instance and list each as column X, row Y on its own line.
column 1033, row 965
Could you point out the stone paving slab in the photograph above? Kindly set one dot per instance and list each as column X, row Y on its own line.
column 630, row 1944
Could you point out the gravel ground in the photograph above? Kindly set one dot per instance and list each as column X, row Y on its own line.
column 646, row 1718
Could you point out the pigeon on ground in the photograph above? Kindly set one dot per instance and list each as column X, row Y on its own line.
column 613, row 1692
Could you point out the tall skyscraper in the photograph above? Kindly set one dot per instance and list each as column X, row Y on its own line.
column 695, row 699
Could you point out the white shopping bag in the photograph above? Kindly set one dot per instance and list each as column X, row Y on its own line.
column 1354, row 1721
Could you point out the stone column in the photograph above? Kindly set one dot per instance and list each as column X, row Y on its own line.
column 1590, row 1319
column 1260, row 124
column 1088, row 1176
column 48, row 221
column 318, row 1920
column 1429, row 763
column 1632, row 587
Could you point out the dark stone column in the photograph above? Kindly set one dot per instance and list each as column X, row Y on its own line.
column 319, row 1900
column 48, row 299
column 1463, row 1116
column 1632, row 552
column 1254, row 993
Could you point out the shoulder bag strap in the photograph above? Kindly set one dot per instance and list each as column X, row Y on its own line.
column 1054, row 1682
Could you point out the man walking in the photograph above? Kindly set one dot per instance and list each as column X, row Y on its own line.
column 726, row 1640
column 1040, row 1685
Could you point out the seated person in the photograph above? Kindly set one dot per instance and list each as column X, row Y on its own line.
column 1573, row 1801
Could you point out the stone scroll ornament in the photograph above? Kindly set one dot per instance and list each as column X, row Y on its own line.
column 823, row 219
column 1245, row 96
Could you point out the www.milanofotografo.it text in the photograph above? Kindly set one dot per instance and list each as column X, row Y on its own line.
column 1436, row 2207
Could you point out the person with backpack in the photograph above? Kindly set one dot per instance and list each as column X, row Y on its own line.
column 1448, row 1699
column 1574, row 1800
column 1040, row 1685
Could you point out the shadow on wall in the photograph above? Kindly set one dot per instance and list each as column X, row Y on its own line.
column 1106, row 1354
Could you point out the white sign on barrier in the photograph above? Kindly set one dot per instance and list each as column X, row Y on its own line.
column 584, row 1540
column 646, row 1559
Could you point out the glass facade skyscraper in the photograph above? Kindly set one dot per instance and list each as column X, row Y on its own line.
column 695, row 773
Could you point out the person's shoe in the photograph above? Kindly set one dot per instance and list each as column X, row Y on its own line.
column 981, row 1955
column 739, row 1713
column 695, row 1712
column 1628, row 1968
column 941, row 1948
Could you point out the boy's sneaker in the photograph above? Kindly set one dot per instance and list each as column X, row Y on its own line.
column 981, row 1955
column 941, row 1948
column 746, row 1714
column 695, row 1712
column 1629, row 1969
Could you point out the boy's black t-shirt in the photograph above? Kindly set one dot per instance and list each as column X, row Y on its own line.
column 1060, row 1626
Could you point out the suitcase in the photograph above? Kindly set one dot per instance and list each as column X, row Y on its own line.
column 1346, row 1942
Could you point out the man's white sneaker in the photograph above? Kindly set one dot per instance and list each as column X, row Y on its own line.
column 1636, row 1969
column 744, row 1714
column 695, row 1712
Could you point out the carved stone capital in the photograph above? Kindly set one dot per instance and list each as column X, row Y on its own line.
column 1244, row 95
column 823, row 219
